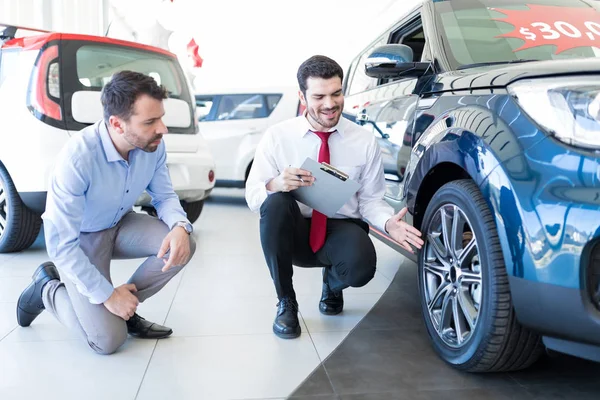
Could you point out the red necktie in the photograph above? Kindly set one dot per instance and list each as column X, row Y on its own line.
column 318, row 226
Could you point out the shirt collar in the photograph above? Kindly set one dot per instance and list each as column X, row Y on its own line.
column 307, row 127
column 112, row 155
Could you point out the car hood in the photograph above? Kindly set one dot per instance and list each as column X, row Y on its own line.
column 497, row 76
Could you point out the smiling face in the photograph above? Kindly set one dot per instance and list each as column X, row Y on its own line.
column 324, row 102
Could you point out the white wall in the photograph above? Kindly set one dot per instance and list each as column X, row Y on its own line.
column 73, row 16
column 244, row 43
column 259, row 42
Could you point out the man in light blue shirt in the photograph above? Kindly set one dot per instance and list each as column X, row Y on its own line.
column 89, row 221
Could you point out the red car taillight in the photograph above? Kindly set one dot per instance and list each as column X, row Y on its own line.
column 211, row 176
column 45, row 84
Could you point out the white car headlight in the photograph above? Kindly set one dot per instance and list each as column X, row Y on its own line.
column 568, row 108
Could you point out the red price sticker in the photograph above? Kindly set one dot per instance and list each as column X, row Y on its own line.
column 564, row 27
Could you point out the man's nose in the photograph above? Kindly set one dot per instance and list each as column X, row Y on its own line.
column 329, row 102
column 162, row 128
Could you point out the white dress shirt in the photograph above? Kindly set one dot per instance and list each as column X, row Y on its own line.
column 353, row 150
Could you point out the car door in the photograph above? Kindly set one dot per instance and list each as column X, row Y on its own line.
column 391, row 109
column 236, row 119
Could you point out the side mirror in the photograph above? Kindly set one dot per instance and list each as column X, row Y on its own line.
column 393, row 61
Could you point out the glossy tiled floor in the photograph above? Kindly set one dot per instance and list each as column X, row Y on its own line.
column 220, row 307
column 388, row 357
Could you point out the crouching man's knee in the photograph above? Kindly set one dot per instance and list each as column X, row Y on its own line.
column 361, row 277
column 108, row 342
column 362, row 269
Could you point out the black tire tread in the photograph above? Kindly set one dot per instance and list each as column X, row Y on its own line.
column 193, row 210
column 509, row 346
column 24, row 225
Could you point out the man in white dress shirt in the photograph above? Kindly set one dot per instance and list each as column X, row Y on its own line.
column 292, row 233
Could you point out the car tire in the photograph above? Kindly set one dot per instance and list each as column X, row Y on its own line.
column 19, row 226
column 193, row 209
column 472, row 326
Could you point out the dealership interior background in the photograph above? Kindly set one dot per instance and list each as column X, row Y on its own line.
column 221, row 306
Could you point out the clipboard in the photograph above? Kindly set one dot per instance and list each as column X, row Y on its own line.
column 330, row 191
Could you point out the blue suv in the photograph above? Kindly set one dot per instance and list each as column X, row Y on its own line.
column 488, row 118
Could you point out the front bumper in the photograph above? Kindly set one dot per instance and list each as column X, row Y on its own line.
column 549, row 243
column 566, row 318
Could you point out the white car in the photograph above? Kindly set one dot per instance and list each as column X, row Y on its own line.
column 233, row 124
column 50, row 85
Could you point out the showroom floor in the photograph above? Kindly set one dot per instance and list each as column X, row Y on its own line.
column 221, row 309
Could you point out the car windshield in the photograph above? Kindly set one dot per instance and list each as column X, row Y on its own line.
column 475, row 32
column 97, row 63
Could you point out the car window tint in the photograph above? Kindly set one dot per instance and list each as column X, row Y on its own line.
column 204, row 106
column 241, row 106
column 272, row 101
column 360, row 81
column 97, row 64
column 471, row 29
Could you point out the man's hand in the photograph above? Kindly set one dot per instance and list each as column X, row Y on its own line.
column 122, row 302
column 290, row 179
column 402, row 232
column 178, row 241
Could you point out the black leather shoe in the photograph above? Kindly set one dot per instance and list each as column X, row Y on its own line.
column 286, row 324
column 30, row 303
column 332, row 303
column 140, row 328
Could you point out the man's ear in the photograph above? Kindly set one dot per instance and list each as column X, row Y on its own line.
column 302, row 98
column 116, row 124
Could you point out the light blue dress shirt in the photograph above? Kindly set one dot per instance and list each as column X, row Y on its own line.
column 91, row 189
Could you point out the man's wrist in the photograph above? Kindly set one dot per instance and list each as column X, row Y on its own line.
column 185, row 225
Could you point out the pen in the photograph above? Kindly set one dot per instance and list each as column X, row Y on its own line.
column 299, row 177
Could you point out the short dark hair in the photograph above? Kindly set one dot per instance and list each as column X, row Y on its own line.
column 318, row 67
column 123, row 90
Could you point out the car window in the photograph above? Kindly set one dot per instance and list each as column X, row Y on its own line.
column 241, row 106
column 360, row 81
column 540, row 30
column 204, row 107
column 272, row 101
column 411, row 35
column 96, row 65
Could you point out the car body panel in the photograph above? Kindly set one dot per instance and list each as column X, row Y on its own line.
column 234, row 141
column 544, row 194
column 30, row 143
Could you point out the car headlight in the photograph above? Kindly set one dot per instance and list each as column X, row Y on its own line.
column 568, row 108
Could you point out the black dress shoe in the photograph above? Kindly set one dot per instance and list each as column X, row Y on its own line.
column 332, row 303
column 286, row 324
column 140, row 328
column 30, row 303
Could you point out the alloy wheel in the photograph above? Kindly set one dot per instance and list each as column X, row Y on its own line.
column 452, row 276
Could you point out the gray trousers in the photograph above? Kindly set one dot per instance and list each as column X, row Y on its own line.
column 135, row 236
